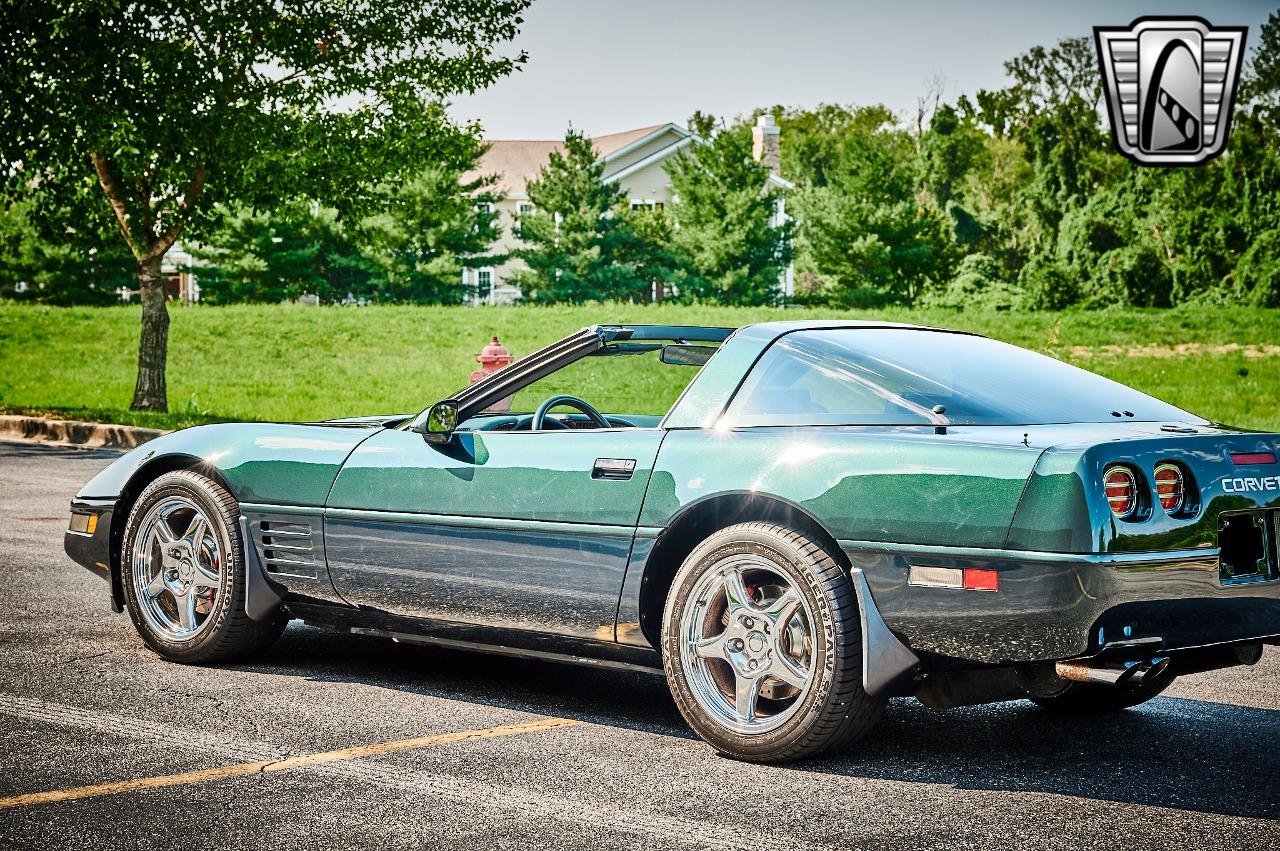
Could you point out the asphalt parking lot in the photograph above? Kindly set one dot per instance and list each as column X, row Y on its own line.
column 485, row 752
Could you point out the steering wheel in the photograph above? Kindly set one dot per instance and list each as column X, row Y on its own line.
column 540, row 415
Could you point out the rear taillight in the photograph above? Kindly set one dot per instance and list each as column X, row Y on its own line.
column 1170, row 486
column 1122, row 491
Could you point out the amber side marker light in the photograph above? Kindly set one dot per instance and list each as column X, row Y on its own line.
column 1253, row 458
column 86, row 524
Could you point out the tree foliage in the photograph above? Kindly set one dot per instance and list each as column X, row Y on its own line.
column 435, row 225
column 35, row 266
column 577, row 243
column 281, row 255
column 865, row 236
column 1015, row 198
column 154, row 113
column 726, row 230
column 1009, row 198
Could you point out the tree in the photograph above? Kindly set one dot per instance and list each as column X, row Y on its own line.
column 35, row 266
column 431, row 227
column 281, row 254
column 435, row 225
column 650, row 250
column 872, row 251
column 167, row 109
column 977, row 284
column 724, row 218
column 1260, row 87
column 814, row 137
column 866, row 236
column 1044, row 79
column 951, row 148
column 577, row 244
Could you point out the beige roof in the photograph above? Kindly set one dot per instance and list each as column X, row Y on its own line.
column 518, row 161
column 616, row 141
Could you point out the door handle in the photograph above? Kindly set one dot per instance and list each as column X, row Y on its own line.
column 618, row 469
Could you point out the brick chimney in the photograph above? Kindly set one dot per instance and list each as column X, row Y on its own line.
column 765, row 147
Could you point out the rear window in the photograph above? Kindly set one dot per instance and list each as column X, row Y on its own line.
column 891, row 376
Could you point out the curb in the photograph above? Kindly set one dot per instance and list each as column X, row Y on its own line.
column 75, row 433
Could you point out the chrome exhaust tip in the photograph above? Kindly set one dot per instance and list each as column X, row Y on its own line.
column 1084, row 672
column 1124, row 673
column 1148, row 671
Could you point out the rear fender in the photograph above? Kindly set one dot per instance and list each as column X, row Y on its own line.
column 1064, row 508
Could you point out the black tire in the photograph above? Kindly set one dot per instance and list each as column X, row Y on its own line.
column 834, row 710
column 232, row 634
column 1098, row 699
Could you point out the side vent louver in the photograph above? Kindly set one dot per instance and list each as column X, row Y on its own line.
column 287, row 548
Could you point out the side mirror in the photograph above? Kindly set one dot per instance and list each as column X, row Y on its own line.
column 442, row 420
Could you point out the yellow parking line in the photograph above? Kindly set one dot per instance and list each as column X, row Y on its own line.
column 245, row 768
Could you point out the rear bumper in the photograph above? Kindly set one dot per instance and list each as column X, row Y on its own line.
column 1053, row 606
column 91, row 551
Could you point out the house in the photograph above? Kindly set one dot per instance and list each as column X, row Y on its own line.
column 177, row 268
column 633, row 158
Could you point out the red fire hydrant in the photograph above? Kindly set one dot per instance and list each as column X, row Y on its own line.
column 492, row 358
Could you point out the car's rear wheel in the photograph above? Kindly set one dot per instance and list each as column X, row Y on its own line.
column 184, row 574
column 761, row 643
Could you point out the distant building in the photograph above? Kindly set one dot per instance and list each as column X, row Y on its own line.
column 180, row 283
column 633, row 158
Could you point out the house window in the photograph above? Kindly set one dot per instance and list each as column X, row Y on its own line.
column 645, row 204
column 524, row 208
column 484, row 207
column 484, row 285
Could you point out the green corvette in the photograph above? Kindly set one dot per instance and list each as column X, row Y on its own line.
column 830, row 514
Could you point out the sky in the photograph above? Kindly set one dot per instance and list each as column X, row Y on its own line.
column 611, row 65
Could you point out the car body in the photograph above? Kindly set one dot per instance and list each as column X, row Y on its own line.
column 971, row 520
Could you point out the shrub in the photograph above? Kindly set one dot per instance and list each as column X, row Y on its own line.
column 978, row 284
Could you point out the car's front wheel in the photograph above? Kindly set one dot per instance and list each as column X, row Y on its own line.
column 184, row 573
column 761, row 643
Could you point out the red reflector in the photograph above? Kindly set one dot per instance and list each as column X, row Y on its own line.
column 981, row 579
column 1253, row 457
column 1121, row 488
column 1169, row 486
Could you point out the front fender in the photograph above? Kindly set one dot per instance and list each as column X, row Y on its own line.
column 272, row 463
column 269, row 463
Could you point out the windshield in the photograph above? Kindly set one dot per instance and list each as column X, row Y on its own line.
column 891, row 376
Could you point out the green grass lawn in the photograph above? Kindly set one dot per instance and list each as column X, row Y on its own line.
column 295, row 363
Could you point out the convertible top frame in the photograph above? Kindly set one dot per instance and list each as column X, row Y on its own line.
column 549, row 359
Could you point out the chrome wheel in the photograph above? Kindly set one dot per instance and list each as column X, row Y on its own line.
column 747, row 644
column 177, row 568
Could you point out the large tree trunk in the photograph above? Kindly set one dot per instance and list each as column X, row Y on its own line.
column 150, row 394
